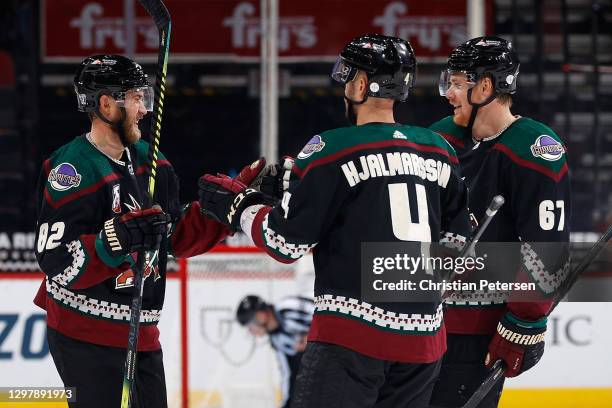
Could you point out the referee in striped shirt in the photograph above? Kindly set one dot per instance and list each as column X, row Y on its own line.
column 286, row 323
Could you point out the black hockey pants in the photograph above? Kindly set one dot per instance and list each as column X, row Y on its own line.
column 463, row 371
column 332, row 376
column 97, row 373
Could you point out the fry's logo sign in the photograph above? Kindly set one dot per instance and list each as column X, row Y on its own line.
column 95, row 30
column 431, row 32
column 246, row 29
column 230, row 29
column 427, row 31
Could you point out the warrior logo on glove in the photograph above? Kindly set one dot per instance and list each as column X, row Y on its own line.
column 518, row 338
column 519, row 343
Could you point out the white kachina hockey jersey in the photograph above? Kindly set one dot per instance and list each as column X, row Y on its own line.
column 526, row 164
column 344, row 199
column 85, row 297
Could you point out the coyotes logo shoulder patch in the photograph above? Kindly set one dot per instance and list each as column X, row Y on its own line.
column 64, row 177
column 316, row 144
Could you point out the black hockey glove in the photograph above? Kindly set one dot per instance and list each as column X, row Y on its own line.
column 519, row 343
column 224, row 199
column 277, row 178
column 133, row 231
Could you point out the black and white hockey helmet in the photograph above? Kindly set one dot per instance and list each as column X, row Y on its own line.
column 389, row 63
column 247, row 308
column 481, row 57
column 112, row 75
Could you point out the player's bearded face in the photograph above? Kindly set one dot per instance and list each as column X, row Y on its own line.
column 134, row 110
column 456, row 95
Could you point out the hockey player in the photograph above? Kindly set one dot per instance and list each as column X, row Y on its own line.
column 525, row 161
column 359, row 184
column 90, row 224
column 286, row 323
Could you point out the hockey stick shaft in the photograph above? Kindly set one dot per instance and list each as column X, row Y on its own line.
column 494, row 206
column 159, row 13
column 129, row 371
column 498, row 368
column 585, row 262
column 497, row 372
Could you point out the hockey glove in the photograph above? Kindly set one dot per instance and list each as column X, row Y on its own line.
column 519, row 343
column 224, row 199
column 277, row 177
column 252, row 174
column 131, row 232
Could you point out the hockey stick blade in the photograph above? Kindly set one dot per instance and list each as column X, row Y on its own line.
column 161, row 17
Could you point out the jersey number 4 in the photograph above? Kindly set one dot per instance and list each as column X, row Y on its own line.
column 401, row 219
column 49, row 241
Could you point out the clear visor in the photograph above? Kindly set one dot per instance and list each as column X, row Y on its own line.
column 140, row 96
column 457, row 81
column 342, row 72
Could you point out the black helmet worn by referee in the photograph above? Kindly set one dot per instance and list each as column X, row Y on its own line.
column 112, row 75
column 482, row 57
column 247, row 308
column 388, row 62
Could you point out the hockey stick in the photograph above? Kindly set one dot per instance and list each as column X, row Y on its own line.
column 494, row 206
column 159, row 13
column 586, row 260
column 498, row 368
column 497, row 371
